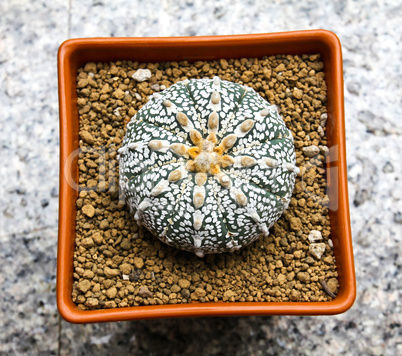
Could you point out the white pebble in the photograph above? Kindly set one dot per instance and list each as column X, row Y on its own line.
column 141, row 75
column 323, row 120
column 314, row 235
column 324, row 150
column 311, row 151
column 317, row 249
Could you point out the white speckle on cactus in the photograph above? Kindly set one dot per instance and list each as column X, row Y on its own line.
column 208, row 165
column 254, row 215
column 264, row 229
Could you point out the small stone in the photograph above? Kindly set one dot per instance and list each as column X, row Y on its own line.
column 303, row 277
column 297, row 254
column 281, row 278
column 320, row 131
column 84, row 285
column 297, row 93
column 294, row 295
column 135, row 275
column 280, row 68
column 156, row 87
column 314, row 236
column 184, row 283
column 317, row 249
column 110, row 272
column 142, row 75
column 144, row 292
column 310, row 260
column 316, row 103
column 333, row 285
column 87, row 242
column 323, row 119
column 324, row 150
column 223, row 63
column 138, row 262
column 88, row 274
column 247, row 76
column 175, row 288
column 295, row 224
column 105, row 89
column 267, row 73
column 92, row 302
column 82, row 83
column 88, row 210
column 185, row 293
column 110, row 304
column 104, row 224
column 199, row 293
column 290, row 276
column 90, row 67
column 228, row 294
column 316, row 219
column 177, row 72
column 126, row 268
column 126, row 244
column 118, row 94
column 87, row 137
column 311, row 151
column 97, row 237
column 111, row 292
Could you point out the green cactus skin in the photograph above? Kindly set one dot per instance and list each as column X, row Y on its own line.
column 207, row 165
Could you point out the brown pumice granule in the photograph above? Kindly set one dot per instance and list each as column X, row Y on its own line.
column 117, row 264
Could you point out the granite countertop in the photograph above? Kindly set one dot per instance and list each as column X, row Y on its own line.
column 30, row 34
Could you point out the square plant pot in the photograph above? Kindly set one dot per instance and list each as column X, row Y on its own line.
column 76, row 52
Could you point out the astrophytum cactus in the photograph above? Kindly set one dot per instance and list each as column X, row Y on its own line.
column 207, row 165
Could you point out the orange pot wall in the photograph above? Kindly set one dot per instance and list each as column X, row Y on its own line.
column 76, row 52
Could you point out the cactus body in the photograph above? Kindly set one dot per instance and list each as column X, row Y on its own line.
column 207, row 165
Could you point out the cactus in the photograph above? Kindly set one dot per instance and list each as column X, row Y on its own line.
column 207, row 165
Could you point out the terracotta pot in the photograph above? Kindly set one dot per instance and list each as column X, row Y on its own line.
column 76, row 52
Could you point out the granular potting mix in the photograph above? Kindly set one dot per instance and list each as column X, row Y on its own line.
column 118, row 264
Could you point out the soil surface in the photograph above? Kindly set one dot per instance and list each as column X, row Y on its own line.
column 118, row 264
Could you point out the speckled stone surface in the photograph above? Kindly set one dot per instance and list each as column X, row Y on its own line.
column 30, row 33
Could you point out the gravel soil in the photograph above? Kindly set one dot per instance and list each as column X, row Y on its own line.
column 118, row 264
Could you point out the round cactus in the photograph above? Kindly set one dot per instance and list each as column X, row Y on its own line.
column 207, row 165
